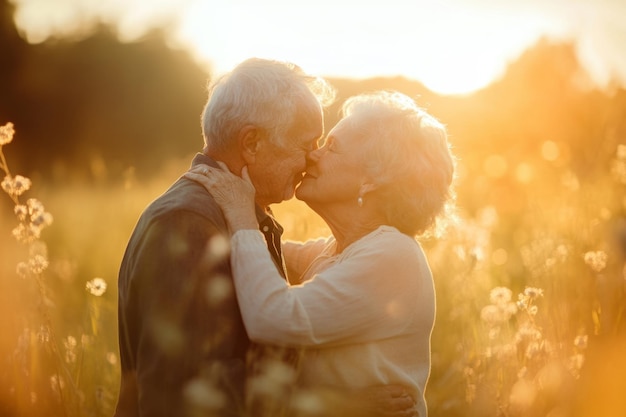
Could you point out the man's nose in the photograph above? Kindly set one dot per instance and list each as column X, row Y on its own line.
column 313, row 156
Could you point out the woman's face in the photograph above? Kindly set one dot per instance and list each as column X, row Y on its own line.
column 335, row 172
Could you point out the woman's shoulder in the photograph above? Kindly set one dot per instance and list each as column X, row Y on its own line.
column 390, row 242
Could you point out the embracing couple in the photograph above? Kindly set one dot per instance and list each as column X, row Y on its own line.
column 219, row 317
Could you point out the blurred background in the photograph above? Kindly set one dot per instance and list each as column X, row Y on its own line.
column 106, row 99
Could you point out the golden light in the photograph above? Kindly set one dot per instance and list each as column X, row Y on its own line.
column 495, row 166
column 524, row 173
column 550, row 151
column 499, row 256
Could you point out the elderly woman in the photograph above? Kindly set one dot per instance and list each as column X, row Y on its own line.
column 361, row 302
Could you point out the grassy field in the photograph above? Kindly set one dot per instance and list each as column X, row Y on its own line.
column 529, row 301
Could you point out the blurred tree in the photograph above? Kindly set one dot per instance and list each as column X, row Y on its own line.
column 99, row 102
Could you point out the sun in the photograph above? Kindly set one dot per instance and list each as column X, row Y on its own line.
column 450, row 50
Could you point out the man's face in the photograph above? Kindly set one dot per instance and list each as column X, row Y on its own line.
column 279, row 168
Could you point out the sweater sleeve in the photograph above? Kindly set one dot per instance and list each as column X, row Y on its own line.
column 369, row 294
column 299, row 255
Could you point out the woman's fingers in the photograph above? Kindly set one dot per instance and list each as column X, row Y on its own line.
column 199, row 177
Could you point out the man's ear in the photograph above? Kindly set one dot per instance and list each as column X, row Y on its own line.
column 248, row 139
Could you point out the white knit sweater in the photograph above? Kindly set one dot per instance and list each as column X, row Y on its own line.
column 365, row 316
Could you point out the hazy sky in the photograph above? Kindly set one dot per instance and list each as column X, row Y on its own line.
column 449, row 45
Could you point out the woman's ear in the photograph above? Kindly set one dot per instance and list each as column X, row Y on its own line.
column 249, row 138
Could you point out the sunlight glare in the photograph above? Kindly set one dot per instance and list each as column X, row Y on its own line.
column 454, row 47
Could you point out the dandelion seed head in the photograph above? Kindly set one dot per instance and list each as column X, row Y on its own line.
column 6, row 133
column 96, row 286
column 500, row 295
column 533, row 292
column 491, row 314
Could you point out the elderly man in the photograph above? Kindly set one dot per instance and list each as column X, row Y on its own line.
column 183, row 347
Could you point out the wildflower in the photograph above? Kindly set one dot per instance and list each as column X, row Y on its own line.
column 491, row 314
column 57, row 383
column 21, row 211
column 596, row 260
column 6, row 133
column 533, row 292
column 525, row 299
column 96, row 286
column 575, row 364
column 528, row 332
column 581, row 341
column 500, row 295
column 35, row 207
column 43, row 334
column 26, row 233
column 16, row 186
column 70, row 344
column 38, row 264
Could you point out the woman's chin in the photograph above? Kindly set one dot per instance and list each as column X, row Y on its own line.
column 302, row 194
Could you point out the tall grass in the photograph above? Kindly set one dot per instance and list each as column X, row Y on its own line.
column 529, row 308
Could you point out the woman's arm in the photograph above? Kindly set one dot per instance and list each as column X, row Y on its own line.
column 299, row 255
column 371, row 294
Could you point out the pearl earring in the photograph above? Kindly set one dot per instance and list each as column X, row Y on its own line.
column 359, row 201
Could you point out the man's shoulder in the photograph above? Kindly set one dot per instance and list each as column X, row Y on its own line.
column 185, row 197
